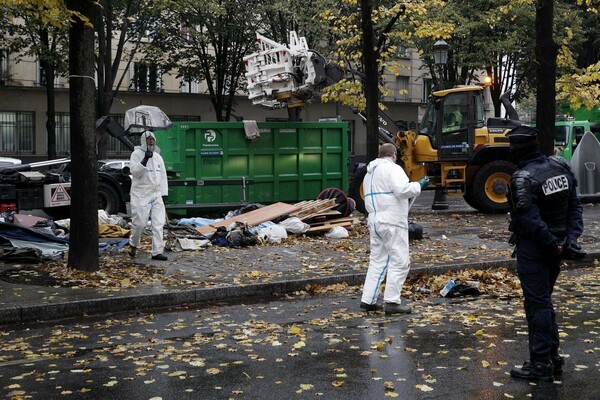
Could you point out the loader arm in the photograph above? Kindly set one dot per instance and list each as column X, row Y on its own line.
column 388, row 130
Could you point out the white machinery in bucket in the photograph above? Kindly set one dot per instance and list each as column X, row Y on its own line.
column 280, row 75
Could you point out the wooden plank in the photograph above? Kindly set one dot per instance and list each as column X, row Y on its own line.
column 252, row 218
column 327, row 225
column 314, row 207
column 320, row 214
column 337, row 220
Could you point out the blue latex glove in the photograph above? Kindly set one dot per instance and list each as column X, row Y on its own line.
column 424, row 182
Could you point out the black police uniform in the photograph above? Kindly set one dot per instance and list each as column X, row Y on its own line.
column 546, row 213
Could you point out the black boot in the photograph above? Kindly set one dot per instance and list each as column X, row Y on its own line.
column 557, row 362
column 535, row 371
column 371, row 307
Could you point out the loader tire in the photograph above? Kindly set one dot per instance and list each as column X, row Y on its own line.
column 108, row 198
column 356, row 192
column 468, row 197
column 489, row 188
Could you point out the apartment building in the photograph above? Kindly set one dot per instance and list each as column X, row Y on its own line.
column 23, row 105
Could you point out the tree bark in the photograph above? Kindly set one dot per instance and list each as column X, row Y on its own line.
column 83, row 246
column 546, row 52
column 371, row 82
column 50, row 109
column 103, row 25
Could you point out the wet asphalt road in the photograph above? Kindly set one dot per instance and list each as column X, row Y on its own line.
column 306, row 346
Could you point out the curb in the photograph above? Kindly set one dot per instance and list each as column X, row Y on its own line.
column 80, row 308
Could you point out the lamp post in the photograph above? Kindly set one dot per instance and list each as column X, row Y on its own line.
column 440, row 57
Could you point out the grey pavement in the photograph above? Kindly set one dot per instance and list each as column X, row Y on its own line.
column 454, row 239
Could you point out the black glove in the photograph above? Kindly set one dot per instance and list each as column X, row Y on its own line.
column 147, row 156
column 572, row 251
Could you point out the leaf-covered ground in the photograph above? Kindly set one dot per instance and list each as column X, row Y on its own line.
column 315, row 343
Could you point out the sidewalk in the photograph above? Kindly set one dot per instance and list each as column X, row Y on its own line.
column 454, row 240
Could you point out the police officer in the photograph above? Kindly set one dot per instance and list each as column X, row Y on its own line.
column 546, row 221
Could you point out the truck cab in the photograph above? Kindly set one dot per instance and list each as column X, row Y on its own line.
column 451, row 121
column 568, row 132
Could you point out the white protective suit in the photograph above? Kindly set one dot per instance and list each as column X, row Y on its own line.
column 387, row 190
column 149, row 184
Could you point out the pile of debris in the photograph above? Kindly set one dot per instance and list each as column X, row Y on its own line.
column 31, row 238
column 269, row 223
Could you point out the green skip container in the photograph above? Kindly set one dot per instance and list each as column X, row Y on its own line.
column 214, row 166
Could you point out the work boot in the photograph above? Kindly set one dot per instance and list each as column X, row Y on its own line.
column 536, row 371
column 132, row 250
column 557, row 364
column 395, row 308
column 371, row 307
column 160, row 257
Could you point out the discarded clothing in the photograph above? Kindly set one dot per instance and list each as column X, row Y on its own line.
column 14, row 255
column 15, row 231
column 197, row 221
column 191, row 244
column 105, row 218
column 113, row 244
column 237, row 236
column 49, row 250
column 113, row 231
column 462, row 289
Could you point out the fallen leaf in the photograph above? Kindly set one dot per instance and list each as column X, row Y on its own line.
column 424, row 388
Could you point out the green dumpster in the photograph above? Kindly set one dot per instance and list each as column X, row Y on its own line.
column 213, row 165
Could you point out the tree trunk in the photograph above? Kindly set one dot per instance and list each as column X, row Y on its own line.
column 83, row 247
column 103, row 26
column 50, row 109
column 495, row 90
column 49, row 72
column 545, row 60
column 371, row 80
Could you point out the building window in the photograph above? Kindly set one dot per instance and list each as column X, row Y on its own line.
column 63, row 136
column 145, row 77
column 3, row 66
column 188, row 33
column 427, row 89
column 115, row 147
column 41, row 78
column 403, row 52
column 400, row 88
column 17, row 132
column 189, row 86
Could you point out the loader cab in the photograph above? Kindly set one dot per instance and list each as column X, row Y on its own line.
column 450, row 121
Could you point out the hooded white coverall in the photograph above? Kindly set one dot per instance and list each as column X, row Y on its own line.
column 387, row 190
column 149, row 184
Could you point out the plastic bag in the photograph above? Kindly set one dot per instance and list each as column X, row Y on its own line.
column 337, row 232
column 273, row 233
column 294, row 225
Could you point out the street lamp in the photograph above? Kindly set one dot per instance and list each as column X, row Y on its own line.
column 440, row 57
